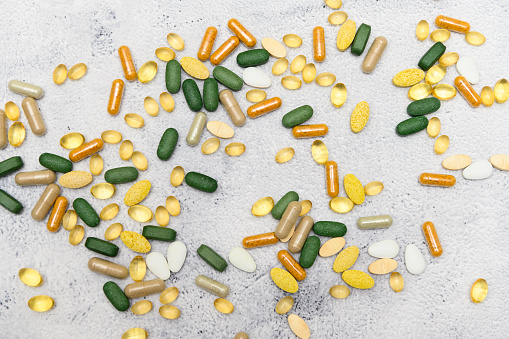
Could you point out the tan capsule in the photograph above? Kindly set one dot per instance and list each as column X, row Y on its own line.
column 290, row 82
column 165, row 54
column 256, row 95
column 135, row 333
column 169, row 312
column 435, row 74
column 139, row 161
column 224, row 50
column 479, row 291
column 69, row 220
column 139, row 308
column 325, row 79
column 309, row 73
column 76, row 235
column 16, row 134
column 162, row 216
column 475, row 38
column 175, row 41
column 57, row 214
column 284, row 305
column 339, row 291
column 126, row 150
column 134, row 120
column 422, row 30
column 235, row 149
column 212, row 286
column 306, row 207
column 173, row 206
column 43, row 177
column 30, row 277
column 288, row 219
column 319, row 152
column 300, row 235
column 374, row 54
column 332, row 247
column 440, row 35
column 3, row 130
column 289, row 236
column 151, row 106
column 117, row 90
column 86, row 150
column 338, row 95
column 11, row 111
column 77, row 71
column 280, row 66
column 210, row 146
column 337, row 18
column 441, row 144
column 127, row 63
column 60, row 74
column 449, row 59
column 298, row 64
column 207, row 43
column 107, row 268
column 113, row 231
column 232, row 107
column 41, row 303
column 487, row 96
column 137, row 268
column 33, row 116
column 169, row 295
column 143, row 288
column 373, row 188
column 501, row 90
column 220, row 129
column 274, row 47
column 96, row 164
column 45, row 202
column 177, row 176
column 284, row 155
column 262, row 207
column 223, row 305
column 396, row 281
column 318, row 44
column 242, row 33
column 292, row 40
column 434, row 127
column 341, row 205
column 102, row 190
column 147, row 71
column 109, row 211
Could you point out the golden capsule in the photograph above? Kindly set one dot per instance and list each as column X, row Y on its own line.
column 433, row 179
column 177, row 176
column 140, row 213
column 291, row 82
column 16, row 134
column 298, row 64
column 235, row 149
column 256, row 95
column 162, row 216
column 475, row 38
column 449, row 59
column 69, row 220
column 284, row 155
column 309, row 131
column 479, row 291
column 76, row 235
column 137, row 268
column 207, row 43
column 274, row 47
column 11, row 111
column 280, row 66
column 109, row 212
column 60, row 74
column 444, row 91
column 57, row 214
column 284, row 305
column 86, row 150
column 339, row 291
column 77, row 71
column 430, row 233
column 223, row 305
column 325, row 79
column 151, row 106
column 72, row 140
column 134, row 120
column 306, row 207
column 318, row 44
column 165, row 54
column 113, row 231
column 147, row 71
column 487, row 96
column 41, row 303
column 334, row 4
column 169, row 295
column 341, row 205
column 139, row 161
column 169, row 312
column 141, row 307
column 309, row 73
column 210, row 146
column 332, row 178
column 292, row 40
column 467, row 91
column 103, row 190
column 30, row 277
column 127, row 63
column 422, row 30
column 262, row 207
column 373, row 188
column 441, row 144
column 111, row 137
column 419, row 91
column 126, row 150
column 501, row 90
column 117, row 90
column 440, row 35
column 435, row 74
column 96, row 164
column 175, row 41
column 135, row 333
column 337, row 18
column 452, row 24
column 338, row 95
column 166, row 101
column 434, row 127
column 173, row 206
column 320, row 152
column 396, row 281
column 224, row 50
column 242, row 33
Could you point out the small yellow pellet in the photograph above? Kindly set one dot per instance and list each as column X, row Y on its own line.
column 354, row 189
column 137, row 192
column 284, row 280
column 359, row 117
column 345, row 259
column 135, row 241
column 345, row 35
column 358, row 279
column 408, row 77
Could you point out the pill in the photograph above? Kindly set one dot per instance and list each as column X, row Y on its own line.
column 306, row 207
column 354, row 189
column 57, row 214
column 173, row 206
column 144, row 288
column 337, row 18
column 135, row 332
column 194, row 67
column 325, row 79
column 10, row 203
column 291, row 265
column 431, row 236
column 255, row 77
column 137, row 268
column 339, row 291
column 383, row 266
column 280, row 66
column 16, row 134
column 332, row 178
column 479, row 291
column 440, row 35
column 292, row 40
column 396, row 281
column 86, row 150
column 121, row 175
column 109, row 211
column 117, row 90
column 452, row 24
column 346, row 34
column 201, row 182
column 431, row 56
column 297, row 116
column 291, row 82
column 408, row 77
column 167, row 144
column 284, row 305
column 309, row 251
column 177, row 176
column 282, row 204
column 55, row 163
column 96, row 164
column 467, row 91
column 309, row 131
column 207, row 43
column 192, row 95
column 345, row 259
column 258, row 240
column 151, row 107
column 422, row 30
column 30, row 277
column 419, row 91
column 361, row 39
column 284, row 155
column 487, row 96
column 297, row 324
column 257, row 95
column 224, row 50
column 77, row 71
column 412, row 125
column 444, row 91
column 423, row 106
column 284, row 280
column 60, row 74
column 212, row 258
column 242, row 33
column 173, row 76
column 241, row 259
column 432, row 179
column 373, row 188
column 69, row 220
column 41, row 303
column 212, row 286
column 3, row 129
column 101, row 246
column 175, row 41
column 274, row 47
column 113, row 231
column 86, row 212
column 414, row 260
column 341, row 205
column 75, row 179
column 456, row 162
column 210, row 94
column 448, row 59
column 33, row 116
column 359, row 117
column 332, row 247
column 228, row 78
column 169, row 312
column 374, row 222
column 358, row 279
column 374, row 54
column 501, row 91
column 165, row 54
column 309, row 73
column 478, row 170
column 24, row 88
column 127, row 63
column 45, row 202
column 159, row 233
column 467, row 68
column 441, row 144
column 169, row 295
column 107, row 267
column 331, row 229
column 103, row 190
column 10, row 165
column 475, row 38
column 177, row 252
column 232, row 107
column 141, row 307
column 196, row 129
column 288, row 219
column 157, row 264
column 319, row 44
column 135, row 241
column 500, row 162
column 147, row 72
column 137, row 192
column 252, row 58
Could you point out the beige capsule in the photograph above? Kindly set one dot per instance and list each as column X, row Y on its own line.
column 33, row 116
column 435, row 74
column 60, row 74
column 291, row 82
column 256, row 95
column 298, row 64
column 165, row 54
column 292, row 40
column 383, row 266
column 169, row 295
column 262, row 206
column 72, row 140
column 338, row 95
column 11, row 111
column 479, row 290
column 223, row 305
column 210, row 146
column 444, row 91
column 109, row 211
column 487, row 96
column 337, row 18
column 449, row 59
column 396, row 281
column 96, row 164
column 440, row 35
column 162, row 216
column 169, row 312
column 332, row 247
column 16, row 134
column 320, row 152
column 419, row 91
column 177, row 176
column 325, row 79
column 280, row 66
column 235, row 149
column 341, row 205
column 45, row 202
column 339, row 291
column 141, row 307
column 441, row 144
column 290, row 234
column 69, row 220
column 173, row 206
column 103, row 190
column 422, row 30
column 140, row 213
column 111, row 137
column 309, row 73
column 373, row 188
column 135, row 333
column 137, row 268
column 76, row 235
column 151, row 106
column 40, row 177
column 434, row 127
column 126, row 150
column 175, row 41
column 456, row 162
column 41, row 303
column 284, row 305
column 220, row 129
column 77, row 71
column 134, row 120
column 500, row 162
column 475, row 38
column 166, row 101
column 147, row 71
column 30, row 277
column 299, row 326
column 274, row 47
column 284, row 155
column 334, row 4
column 501, row 90
column 113, row 231
column 139, row 161
column 306, row 207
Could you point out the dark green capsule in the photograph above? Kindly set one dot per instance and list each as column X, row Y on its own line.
column 228, row 78
column 253, row 57
column 167, row 144
column 210, row 94
column 331, row 229
column 309, row 251
column 280, row 207
column 212, row 258
column 432, row 56
column 10, row 203
column 423, row 106
column 297, row 116
column 201, row 182
column 159, row 233
column 101, row 246
column 173, row 76
column 10, row 165
column 86, row 212
column 192, row 95
column 361, row 39
column 55, row 163
column 121, row 175
column 412, row 125
column 116, row 296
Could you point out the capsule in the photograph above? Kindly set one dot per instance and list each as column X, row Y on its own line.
column 374, row 54
column 430, row 233
column 242, row 33
column 24, row 88
column 258, row 240
column 43, row 177
column 452, row 24
column 212, row 286
column 117, row 89
column 332, row 178
column 318, row 44
column 57, row 214
column 224, row 50
column 3, row 129
column 374, row 222
column 206, row 44
column 291, row 265
column 432, row 179
column 143, row 288
column 309, row 131
column 264, row 107
column 196, row 129
column 232, row 107
column 45, row 202
column 86, row 150
column 300, row 235
column 288, row 219
column 468, row 92
column 108, row 268
column 127, row 63
column 33, row 116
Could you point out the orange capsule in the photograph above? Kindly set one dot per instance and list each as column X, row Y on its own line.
column 291, row 265
column 127, row 63
column 57, row 214
column 206, row 44
column 258, row 240
column 318, row 44
column 264, row 107
column 430, row 233
column 468, row 92
column 242, row 33
column 86, row 150
column 452, row 24
column 332, row 178
column 117, row 89
column 432, row 179
column 224, row 50
column 308, row 131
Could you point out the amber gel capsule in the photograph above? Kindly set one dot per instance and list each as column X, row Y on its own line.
column 127, row 63
column 86, row 150
column 374, row 54
column 264, row 107
column 309, row 131
column 318, row 44
column 207, row 43
column 224, row 50
column 33, row 116
column 242, row 33
column 291, row 265
column 452, row 24
column 57, row 214
column 432, row 179
column 117, row 89
column 332, row 178
column 468, row 92
column 430, row 233
column 258, row 240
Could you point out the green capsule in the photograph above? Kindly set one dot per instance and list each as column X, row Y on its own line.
column 432, row 56
column 361, row 39
column 412, row 125
column 173, row 76
column 55, row 163
column 86, row 212
column 201, row 182
column 116, row 296
column 167, row 144
column 10, row 203
column 212, row 258
column 423, row 106
column 159, row 233
column 253, row 57
column 101, row 246
column 210, row 94
column 297, row 116
column 121, row 175
column 309, row 251
column 280, row 207
column 331, row 229
column 228, row 78
column 192, row 95
column 10, row 165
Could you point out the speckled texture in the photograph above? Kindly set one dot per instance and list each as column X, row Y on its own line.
column 470, row 218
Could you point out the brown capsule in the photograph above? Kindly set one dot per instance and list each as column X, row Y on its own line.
column 291, row 265
column 468, row 92
column 432, row 179
column 264, row 107
column 318, row 44
column 288, row 219
column 43, row 177
column 108, row 268
column 374, row 54
column 224, row 50
column 430, row 233
column 309, row 131
column 127, row 63
column 143, row 288
column 232, row 107
column 57, row 214
column 452, row 24
column 85, row 150
column 33, row 116
column 242, row 33
column 45, row 202
column 332, row 178
column 206, row 44
column 301, row 234
column 258, row 240
column 117, row 89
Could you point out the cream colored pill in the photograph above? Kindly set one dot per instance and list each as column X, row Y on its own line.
column 220, row 129
column 177, row 252
column 157, row 264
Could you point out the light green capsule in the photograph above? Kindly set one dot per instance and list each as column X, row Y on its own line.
column 194, row 134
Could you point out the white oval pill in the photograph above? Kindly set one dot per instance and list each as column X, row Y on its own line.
column 241, row 259
column 414, row 260
column 177, row 252
column 467, row 67
column 157, row 264
column 384, row 249
column 478, row 170
column 255, row 77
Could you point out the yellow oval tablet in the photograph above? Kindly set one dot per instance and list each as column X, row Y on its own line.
column 338, row 95
column 162, row 216
column 103, row 190
column 175, row 41
column 75, row 179
column 169, row 295
column 169, row 312
column 166, row 101
column 408, row 77
column 345, row 259
column 274, row 47
column 194, row 68
column 134, row 120
column 339, row 291
column 96, row 164
column 137, row 268
column 354, row 189
column 77, row 71
column 358, row 279
column 135, row 241
column 345, row 35
column 139, row 160
column 151, row 106
column 147, row 71
column 456, row 162
column 71, row 140
column 113, row 231
column 280, row 66
column 137, row 193
column 341, row 204
column 220, row 129
column 210, row 146
column 126, row 150
column 479, row 291
column 173, row 206
column 360, row 116
column 284, row 280
column 60, row 74
column 111, row 136
column 319, row 152
column 383, row 266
